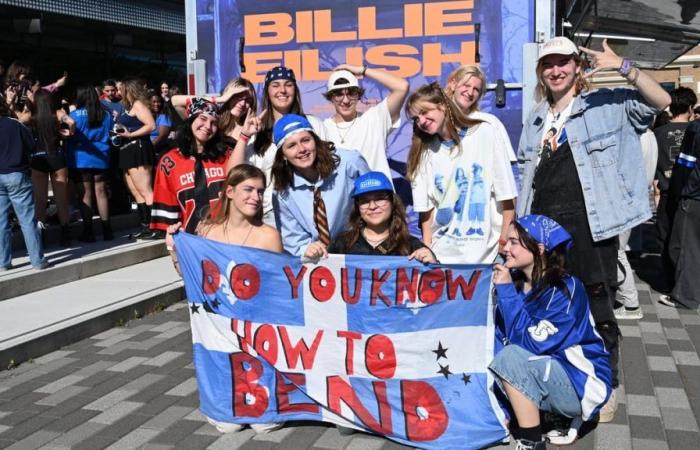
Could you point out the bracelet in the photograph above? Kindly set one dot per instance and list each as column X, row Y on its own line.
column 626, row 67
column 364, row 69
column 243, row 137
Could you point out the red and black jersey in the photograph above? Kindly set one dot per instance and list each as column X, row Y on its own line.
column 173, row 190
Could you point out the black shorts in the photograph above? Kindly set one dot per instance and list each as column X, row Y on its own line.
column 136, row 153
column 48, row 162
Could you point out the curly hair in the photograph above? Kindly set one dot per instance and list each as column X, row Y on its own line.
column 399, row 241
column 325, row 163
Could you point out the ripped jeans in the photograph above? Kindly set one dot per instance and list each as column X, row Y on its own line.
column 541, row 379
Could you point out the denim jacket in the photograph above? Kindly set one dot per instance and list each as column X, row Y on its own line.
column 603, row 132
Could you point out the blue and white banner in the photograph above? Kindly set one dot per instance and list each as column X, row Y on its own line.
column 381, row 344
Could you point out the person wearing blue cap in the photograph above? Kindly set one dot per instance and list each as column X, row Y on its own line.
column 312, row 182
column 256, row 144
column 377, row 223
column 553, row 358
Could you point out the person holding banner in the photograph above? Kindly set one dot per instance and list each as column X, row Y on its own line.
column 377, row 224
column 237, row 220
column 581, row 166
column 466, row 86
column 280, row 96
column 463, row 186
column 554, row 359
column 313, row 181
column 366, row 132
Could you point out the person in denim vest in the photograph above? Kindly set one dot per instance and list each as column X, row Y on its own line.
column 581, row 165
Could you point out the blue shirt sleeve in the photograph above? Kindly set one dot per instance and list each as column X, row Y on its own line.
column 163, row 121
column 547, row 328
column 356, row 165
column 294, row 238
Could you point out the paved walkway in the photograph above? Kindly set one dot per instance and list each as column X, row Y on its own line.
column 134, row 387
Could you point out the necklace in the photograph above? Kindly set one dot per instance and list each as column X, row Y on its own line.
column 375, row 242
column 250, row 228
column 347, row 129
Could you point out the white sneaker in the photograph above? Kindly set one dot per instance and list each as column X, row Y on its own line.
column 225, row 427
column 623, row 313
column 667, row 300
column 607, row 412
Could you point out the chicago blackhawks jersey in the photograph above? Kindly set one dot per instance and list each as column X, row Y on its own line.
column 174, row 190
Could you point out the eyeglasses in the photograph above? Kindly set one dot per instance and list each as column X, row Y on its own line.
column 351, row 95
column 381, row 201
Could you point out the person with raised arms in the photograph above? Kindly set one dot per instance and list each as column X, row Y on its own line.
column 581, row 165
column 280, row 96
column 365, row 132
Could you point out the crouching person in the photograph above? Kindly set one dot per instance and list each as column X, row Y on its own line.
column 554, row 359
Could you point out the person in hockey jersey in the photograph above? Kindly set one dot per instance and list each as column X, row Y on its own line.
column 553, row 359
column 189, row 177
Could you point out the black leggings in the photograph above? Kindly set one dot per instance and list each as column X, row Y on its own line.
column 601, row 297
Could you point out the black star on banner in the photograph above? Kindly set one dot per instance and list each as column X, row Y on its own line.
column 215, row 303
column 194, row 308
column 441, row 352
column 445, row 370
column 466, row 378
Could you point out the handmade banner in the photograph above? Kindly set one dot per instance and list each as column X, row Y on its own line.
column 382, row 344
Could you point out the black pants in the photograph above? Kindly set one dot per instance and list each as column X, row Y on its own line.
column 601, row 297
column 684, row 251
column 664, row 224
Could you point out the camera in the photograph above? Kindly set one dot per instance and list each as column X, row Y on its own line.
column 20, row 88
column 115, row 138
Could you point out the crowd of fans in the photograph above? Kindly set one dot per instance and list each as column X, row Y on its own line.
column 554, row 215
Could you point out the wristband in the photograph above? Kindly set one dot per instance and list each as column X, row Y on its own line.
column 626, row 67
column 364, row 69
column 243, row 137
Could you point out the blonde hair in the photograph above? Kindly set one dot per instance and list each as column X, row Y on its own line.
column 463, row 73
column 582, row 83
column 432, row 93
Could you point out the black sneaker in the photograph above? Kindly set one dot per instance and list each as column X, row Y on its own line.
column 524, row 444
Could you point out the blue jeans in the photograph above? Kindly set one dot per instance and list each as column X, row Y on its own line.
column 541, row 379
column 16, row 191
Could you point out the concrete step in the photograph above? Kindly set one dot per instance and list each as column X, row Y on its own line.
column 42, row 321
column 52, row 233
column 79, row 261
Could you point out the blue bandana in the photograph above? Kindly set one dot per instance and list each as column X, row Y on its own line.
column 289, row 124
column 279, row 73
column 546, row 231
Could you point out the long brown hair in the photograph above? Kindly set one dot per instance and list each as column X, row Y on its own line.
column 464, row 73
column 325, row 163
column 399, row 241
column 226, row 120
column 456, row 120
column 582, row 84
column 219, row 213
column 263, row 138
column 133, row 92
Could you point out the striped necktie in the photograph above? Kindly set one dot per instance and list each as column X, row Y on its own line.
column 320, row 218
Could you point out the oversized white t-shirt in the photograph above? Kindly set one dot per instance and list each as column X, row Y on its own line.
column 367, row 135
column 500, row 130
column 264, row 162
column 463, row 189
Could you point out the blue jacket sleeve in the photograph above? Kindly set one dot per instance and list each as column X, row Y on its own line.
column 545, row 329
column 356, row 165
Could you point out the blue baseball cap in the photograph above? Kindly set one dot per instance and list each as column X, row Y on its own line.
column 288, row 125
column 371, row 182
column 546, row 231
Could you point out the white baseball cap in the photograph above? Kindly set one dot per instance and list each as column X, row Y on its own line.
column 334, row 81
column 559, row 45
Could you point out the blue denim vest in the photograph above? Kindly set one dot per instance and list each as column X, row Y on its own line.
column 603, row 131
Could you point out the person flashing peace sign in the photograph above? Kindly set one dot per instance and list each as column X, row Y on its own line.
column 581, row 166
